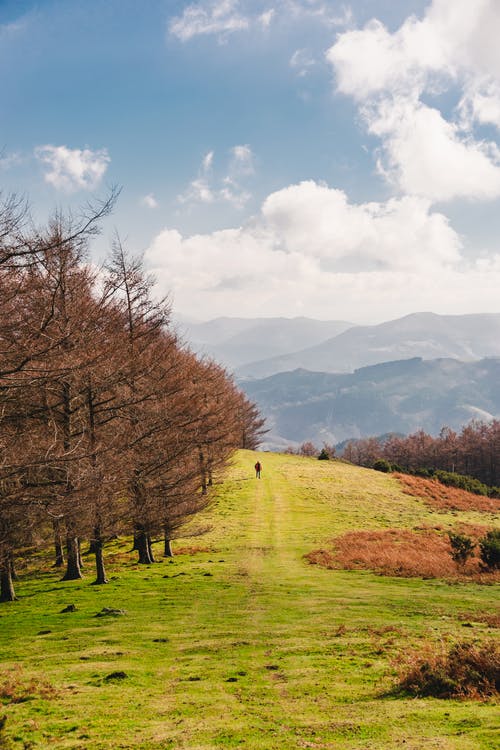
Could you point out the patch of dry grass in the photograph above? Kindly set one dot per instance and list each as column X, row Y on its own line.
column 466, row 670
column 423, row 552
column 441, row 497
column 16, row 687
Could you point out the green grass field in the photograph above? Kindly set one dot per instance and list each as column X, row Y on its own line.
column 246, row 645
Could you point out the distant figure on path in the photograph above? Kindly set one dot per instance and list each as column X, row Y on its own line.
column 258, row 467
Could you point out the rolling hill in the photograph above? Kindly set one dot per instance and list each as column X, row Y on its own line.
column 238, row 641
column 400, row 396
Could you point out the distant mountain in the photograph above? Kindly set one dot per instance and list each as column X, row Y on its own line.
column 400, row 396
column 236, row 341
column 426, row 335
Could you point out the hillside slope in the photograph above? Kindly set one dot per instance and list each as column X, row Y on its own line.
column 239, row 642
column 401, row 396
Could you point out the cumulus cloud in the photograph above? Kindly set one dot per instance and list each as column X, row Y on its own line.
column 312, row 251
column 73, row 169
column 393, row 75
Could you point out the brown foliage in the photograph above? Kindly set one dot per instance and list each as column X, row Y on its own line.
column 445, row 498
column 423, row 552
column 465, row 671
column 16, row 687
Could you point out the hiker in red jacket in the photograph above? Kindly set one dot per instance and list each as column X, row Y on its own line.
column 258, row 467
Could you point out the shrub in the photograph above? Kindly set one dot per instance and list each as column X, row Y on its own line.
column 423, row 472
column 462, row 547
column 462, row 482
column 382, row 465
column 467, row 670
column 490, row 549
column 323, row 455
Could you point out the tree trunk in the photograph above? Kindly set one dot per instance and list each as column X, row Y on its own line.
column 203, row 472
column 97, row 546
column 167, row 552
column 73, row 569
column 7, row 593
column 13, row 573
column 150, row 549
column 143, row 547
column 58, row 544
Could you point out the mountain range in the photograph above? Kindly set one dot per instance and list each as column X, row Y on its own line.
column 327, row 381
column 256, row 348
column 401, row 396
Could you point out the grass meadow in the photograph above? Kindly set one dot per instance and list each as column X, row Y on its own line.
column 239, row 641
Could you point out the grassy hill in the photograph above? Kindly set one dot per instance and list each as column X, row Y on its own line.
column 240, row 642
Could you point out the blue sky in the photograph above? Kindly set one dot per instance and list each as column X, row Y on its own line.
column 276, row 157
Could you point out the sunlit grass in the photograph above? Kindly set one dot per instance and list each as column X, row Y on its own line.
column 240, row 642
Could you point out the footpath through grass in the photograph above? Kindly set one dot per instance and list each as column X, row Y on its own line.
column 246, row 644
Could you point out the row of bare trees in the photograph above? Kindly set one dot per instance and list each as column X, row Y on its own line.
column 474, row 451
column 108, row 425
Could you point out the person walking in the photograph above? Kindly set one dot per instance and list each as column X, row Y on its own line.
column 258, row 469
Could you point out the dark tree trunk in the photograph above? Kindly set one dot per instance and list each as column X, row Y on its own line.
column 79, row 553
column 58, row 544
column 150, row 549
column 73, row 568
column 167, row 552
column 203, row 472
column 13, row 573
column 7, row 593
column 143, row 547
column 97, row 546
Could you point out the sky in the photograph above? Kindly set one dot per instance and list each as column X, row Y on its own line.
column 320, row 158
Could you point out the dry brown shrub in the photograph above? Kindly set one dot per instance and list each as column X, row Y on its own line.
column 491, row 619
column 16, row 687
column 466, row 670
column 423, row 552
column 445, row 498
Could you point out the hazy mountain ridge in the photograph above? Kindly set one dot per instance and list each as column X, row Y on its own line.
column 235, row 341
column 426, row 335
column 400, row 396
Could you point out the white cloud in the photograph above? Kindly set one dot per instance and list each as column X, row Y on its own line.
column 73, row 169
column 217, row 17
column 424, row 154
column 311, row 251
column 266, row 18
column 149, row 201
column 453, row 47
column 302, row 62
column 241, row 161
column 207, row 188
column 224, row 17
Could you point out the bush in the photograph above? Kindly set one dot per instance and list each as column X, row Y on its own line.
column 462, row 482
column 490, row 549
column 462, row 547
column 466, row 670
column 382, row 465
column 324, row 455
column 423, row 473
